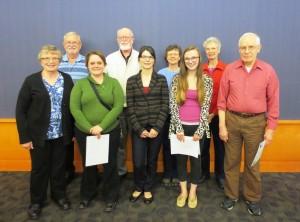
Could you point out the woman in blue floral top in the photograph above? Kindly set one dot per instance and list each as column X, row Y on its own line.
column 45, row 126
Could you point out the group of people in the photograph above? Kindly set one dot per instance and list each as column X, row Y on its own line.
column 73, row 97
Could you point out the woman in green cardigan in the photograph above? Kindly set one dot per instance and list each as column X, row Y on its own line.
column 96, row 116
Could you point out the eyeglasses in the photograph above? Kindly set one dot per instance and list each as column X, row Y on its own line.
column 147, row 57
column 173, row 54
column 48, row 59
column 124, row 37
column 72, row 42
column 249, row 48
column 193, row 59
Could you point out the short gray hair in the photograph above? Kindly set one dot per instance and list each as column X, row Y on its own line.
column 125, row 29
column 250, row 34
column 68, row 34
column 212, row 39
column 49, row 49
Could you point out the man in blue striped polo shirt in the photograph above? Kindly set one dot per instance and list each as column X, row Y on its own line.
column 72, row 63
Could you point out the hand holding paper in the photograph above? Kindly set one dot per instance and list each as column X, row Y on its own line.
column 186, row 147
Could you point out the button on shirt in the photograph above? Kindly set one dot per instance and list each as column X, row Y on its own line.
column 56, row 94
column 256, row 91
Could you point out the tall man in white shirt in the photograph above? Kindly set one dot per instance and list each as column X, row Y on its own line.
column 121, row 65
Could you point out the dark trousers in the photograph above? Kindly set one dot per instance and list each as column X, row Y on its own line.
column 195, row 163
column 170, row 162
column 111, row 180
column 219, row 151
column 145, row 154
column 125, row 130
column 48, row 162
column 70, row 168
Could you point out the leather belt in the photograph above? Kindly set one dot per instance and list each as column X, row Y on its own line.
column 245, row 115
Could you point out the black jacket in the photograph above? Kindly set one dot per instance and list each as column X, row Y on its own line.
column 33, row 110
column 151, row 109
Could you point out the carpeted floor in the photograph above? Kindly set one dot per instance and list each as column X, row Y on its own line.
column 281, row 202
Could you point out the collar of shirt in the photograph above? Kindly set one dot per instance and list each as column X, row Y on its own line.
column 80, row 58
column 57, row 83
column 220, row 66
column 105, row 76
column 126, row 58
column 257, row 65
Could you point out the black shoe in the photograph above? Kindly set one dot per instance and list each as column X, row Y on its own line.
column 110, row 206
column 254, row 208
column 64, row 204
column 220, row 183
column 148, row 200
column 84, row 204
column 228, row 203
column 34, row 211
column 133, row 199
column 203, row 178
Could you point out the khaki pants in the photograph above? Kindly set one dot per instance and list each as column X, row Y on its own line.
column 250, row 132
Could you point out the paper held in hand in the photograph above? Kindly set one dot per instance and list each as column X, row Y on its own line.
column 97, row 150
column 188, row 147
column 259, row 152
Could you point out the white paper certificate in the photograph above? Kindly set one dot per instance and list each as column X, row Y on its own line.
column 96, row 150
column 259, row 152
column 188, row 147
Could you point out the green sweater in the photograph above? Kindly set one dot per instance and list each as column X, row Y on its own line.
column 86, row 109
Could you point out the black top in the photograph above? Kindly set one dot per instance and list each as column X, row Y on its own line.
column 33, row 110
column 147, row 110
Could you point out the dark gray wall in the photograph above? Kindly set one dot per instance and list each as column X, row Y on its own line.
column 26, row 25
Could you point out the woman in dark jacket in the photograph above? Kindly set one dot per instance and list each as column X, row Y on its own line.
column 45, row 126
column 147, row 103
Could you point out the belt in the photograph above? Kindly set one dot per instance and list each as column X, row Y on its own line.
column 245, row 115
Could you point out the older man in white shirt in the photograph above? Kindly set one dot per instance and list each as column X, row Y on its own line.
column 121, row 65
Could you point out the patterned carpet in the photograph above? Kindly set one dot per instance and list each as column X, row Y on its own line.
column 281, row 202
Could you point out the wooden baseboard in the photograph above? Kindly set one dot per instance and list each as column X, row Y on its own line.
column 283, row 155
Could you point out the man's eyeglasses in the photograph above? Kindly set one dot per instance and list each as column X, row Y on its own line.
column 72, row 42
column 247, row 48
column 124, row 37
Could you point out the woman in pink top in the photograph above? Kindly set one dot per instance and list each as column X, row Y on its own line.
column 190, row 98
